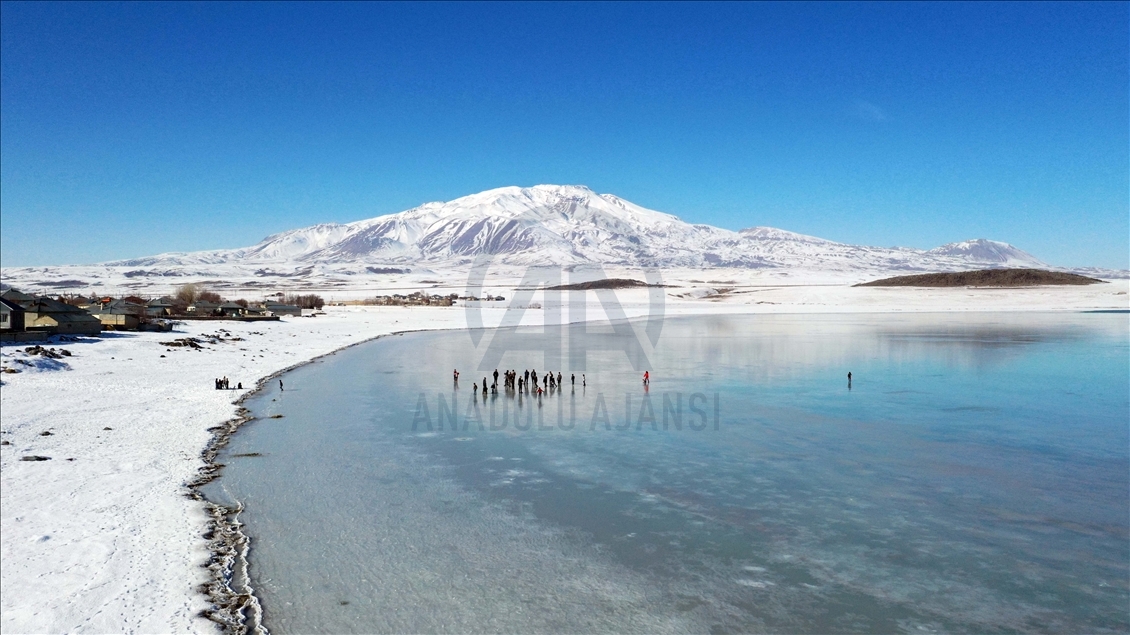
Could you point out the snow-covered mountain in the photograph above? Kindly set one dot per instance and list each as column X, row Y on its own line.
column 555, row 224
column 989, row 251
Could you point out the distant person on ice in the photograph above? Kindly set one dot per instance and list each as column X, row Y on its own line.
column 456, row 373
column 646, row 377
column 280, row 386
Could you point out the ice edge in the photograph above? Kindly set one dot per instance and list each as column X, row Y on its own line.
column 235, row 608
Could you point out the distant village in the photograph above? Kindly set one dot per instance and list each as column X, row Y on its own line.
column 419, row 298
column 26, row 317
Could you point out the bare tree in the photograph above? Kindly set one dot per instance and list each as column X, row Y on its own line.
column 310, row 301
column 188, row 293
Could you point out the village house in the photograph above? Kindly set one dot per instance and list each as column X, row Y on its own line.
column 12, row 324
column 86, row 303
column 278, row 308
column 230, row 309
column 11, row 316
column 119, row 315
column 203, row 307
column 20, row 298
column 159, row 307
column 52, row 316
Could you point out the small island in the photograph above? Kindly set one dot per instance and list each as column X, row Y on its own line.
column 603, row 283
column 984, row 278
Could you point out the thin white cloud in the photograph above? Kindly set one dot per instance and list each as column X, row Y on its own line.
column 869, row 111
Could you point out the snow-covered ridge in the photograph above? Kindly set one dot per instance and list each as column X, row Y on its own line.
column 570, row 224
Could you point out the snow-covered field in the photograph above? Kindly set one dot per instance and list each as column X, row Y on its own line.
column 102, row 537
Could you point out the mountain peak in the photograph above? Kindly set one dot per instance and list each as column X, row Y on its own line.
column 772, row 233
column 533, row 192
column 988, row 251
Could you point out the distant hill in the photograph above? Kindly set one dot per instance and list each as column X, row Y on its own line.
column 984, row 278
column 606, row 283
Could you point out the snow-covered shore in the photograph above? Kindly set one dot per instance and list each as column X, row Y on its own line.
column 102, row 537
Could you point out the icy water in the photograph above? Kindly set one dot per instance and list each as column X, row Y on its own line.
column 974, row 478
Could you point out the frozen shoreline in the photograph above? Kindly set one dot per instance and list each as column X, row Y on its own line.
column 111, row 541
column 234, row 606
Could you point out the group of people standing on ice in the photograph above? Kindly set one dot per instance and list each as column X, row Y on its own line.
column 224, row 384
column 527, row 382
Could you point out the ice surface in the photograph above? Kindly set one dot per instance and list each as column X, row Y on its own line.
column 972, row 479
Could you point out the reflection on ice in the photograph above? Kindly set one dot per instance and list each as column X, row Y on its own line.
column 973, row 479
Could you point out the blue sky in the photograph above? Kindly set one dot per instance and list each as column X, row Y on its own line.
column 132, row 129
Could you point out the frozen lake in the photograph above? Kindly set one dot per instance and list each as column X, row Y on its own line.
column 974, row 478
